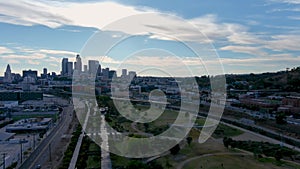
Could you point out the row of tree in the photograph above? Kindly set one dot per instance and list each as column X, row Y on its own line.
column 261, row 148
column 69, row 152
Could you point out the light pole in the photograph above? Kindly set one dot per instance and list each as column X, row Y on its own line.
column 21, row 154
column 4, row 154
column 50, row 152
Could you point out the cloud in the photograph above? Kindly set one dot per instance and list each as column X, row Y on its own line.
column 57, row 52
column 245, row 49
column 35, row 57
column 33, row 62
column 278, row 59
column 5, row 50
column 283, row 42
column 99, row 14
column 295, row 2
column 284, row 10
column 13, row 61
column 294, row 17
column 28, row 13
column 17, row 56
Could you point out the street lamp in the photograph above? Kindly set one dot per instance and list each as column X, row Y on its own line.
column 4, row 154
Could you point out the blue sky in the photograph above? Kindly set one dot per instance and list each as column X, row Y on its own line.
column 244, row 36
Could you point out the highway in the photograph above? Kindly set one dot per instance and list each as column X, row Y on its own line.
column 42, row 153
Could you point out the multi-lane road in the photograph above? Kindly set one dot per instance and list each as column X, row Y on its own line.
column 44, row 151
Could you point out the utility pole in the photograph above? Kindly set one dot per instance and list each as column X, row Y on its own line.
column 21, row 153
column 50, row 152
column 33, row 141
column 4, row 160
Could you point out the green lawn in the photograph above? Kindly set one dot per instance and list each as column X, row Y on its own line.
column 94, row 161
column 234, row 162
column 222, row 130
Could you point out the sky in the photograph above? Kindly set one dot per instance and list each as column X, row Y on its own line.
column 178, row 38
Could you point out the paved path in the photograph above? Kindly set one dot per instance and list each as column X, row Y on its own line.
column 105, row 156
column 79, row 142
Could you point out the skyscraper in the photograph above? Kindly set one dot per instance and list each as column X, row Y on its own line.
column 7, row 75
column 85, row 68
column 30, row 73
column 78, row 63
column 112, row 73
column 124, row 73
column 93, row 66
column 105, row 73
column 64, row 67
column 70, row 68
column 131, row 74
column 45, row 71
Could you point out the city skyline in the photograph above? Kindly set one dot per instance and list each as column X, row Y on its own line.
column 67, row 70
column 263, row 38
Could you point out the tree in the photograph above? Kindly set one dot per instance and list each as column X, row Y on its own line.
column 168, row 164
column 227, row 141
column 174, row 150
column 189, row 140
column 278, row 155
column 281, row 118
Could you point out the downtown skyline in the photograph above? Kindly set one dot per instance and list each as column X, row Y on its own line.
column 249, row 37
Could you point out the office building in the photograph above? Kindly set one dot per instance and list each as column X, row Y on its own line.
column 124, row 73
column 45, row 71
column 64, row 66
column 94, row 66
column 112, row 73
column 131, row 74
column 85, row 68
column 105, row 73
column 8, row 75
column 30, row 73
column 70, row 68
column 78, row 64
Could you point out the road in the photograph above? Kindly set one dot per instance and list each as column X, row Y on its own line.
column 43, row 152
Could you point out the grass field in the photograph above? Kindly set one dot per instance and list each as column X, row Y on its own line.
column 235, row 162
column 94, row 161
column 213, row 145
column 222, row 130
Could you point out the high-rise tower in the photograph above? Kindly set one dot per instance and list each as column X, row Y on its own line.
column 7, row 75
column 78, row 64
column 64, row 67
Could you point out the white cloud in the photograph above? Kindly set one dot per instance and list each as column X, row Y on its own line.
column 100, row 14
column 58, row 52
column 245, row 49
column 33, row 62
column 286, row 1
column 283, row 42
column 27, row 12
column 5, row 50
column 16, row 56
column 13, row 61
column 294, row 17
